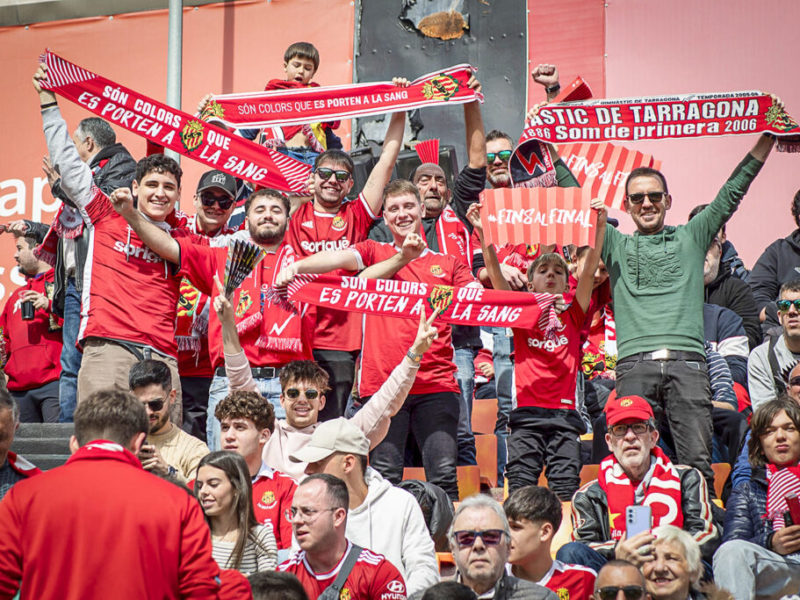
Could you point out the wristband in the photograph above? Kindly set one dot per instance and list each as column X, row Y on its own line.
column 48, row 105
column 552, row 89
column 414, row 357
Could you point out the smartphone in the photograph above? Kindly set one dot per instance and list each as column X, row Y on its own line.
column 793, row 502
column 637, row 519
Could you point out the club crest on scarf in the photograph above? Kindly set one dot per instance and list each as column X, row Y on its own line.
column 441, row 88
column 777, row 117
column 192, row 136
column 187, row 301
column 212, row 110
column 245, row 302
column 441, row 297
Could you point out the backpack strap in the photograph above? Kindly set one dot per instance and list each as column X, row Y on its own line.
column 332, row 591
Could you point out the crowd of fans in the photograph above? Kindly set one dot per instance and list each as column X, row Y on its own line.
column 279, row 435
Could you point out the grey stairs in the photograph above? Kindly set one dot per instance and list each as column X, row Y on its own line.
column 46, row 445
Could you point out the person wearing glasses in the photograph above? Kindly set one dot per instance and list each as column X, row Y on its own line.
column 168, row 450
column 319, row 519
column 637, row 473
column 657, row 285
column 620, row 580
column 480, row 540
column 770, row 362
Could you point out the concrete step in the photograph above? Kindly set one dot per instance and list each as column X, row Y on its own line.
column 47, row 461
column 45, row 430
column 46, row 445
column 31, row 446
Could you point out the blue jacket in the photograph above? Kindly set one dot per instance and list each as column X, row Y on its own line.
column 745, row 510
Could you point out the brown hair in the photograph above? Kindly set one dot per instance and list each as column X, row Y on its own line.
column 241, row 404
column 304, row 370
column 551, row 258
column 110, row 415
column 400, row 187
column 762, row 420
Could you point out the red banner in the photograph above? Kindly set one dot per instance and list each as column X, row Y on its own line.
column 333, row 103
column 174, row 129
column 690, row 115
column 538, row 216
column 603, row 168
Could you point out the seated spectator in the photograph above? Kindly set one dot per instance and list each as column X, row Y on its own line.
column 758, row 557
column 13, row 468
column 725, row 285
column 534, row 516
column 774, row 268
column 481, row 542
column 724, row 331
column 168, row 450
column 380, row 517
column 620, row 580
column 638, row 472
column 675, row 570
column 274, row 585
column 238, row 541
column 772, row 360
column 449, row 590
column 247, row 423
column 327, row 558
column 31, row 336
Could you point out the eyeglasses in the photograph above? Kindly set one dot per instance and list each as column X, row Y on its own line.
column 341, row 174
column 295, row 393
column 490, row 537
column 785, row 305
column 503, row 154
column 155, row 405
column 208, row 201
column 307, row 514
column 619, row 430
column 654, row 197
column 632, row 592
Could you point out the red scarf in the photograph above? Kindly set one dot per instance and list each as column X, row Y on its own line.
column 453, row 236
column 104, row 450
column 781, row 482
column 662, row 492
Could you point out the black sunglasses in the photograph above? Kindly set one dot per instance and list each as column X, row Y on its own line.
column 295, row 393
column 155, row 405
column 632, row 592
column 654, row 197
column 225, row 202
column 785, row 305
column 503, row 154
column 341, row 174
column 490, row 537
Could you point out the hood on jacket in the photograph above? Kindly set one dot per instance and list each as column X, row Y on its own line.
column 377, row 487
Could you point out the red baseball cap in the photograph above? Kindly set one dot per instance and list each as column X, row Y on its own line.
column 627, row 408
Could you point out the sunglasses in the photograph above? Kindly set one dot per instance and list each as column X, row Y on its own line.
column 225, row 202
column 503, row 154
column 654, row 197
column 155, row 405
column 632, row 592
column 341, row 174
column 490, row 537
column 785, row 305
column 295, row 393
column 620, row 430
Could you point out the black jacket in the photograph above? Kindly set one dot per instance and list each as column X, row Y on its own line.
column 744, row 515
column 779, row 263
column 730, row 292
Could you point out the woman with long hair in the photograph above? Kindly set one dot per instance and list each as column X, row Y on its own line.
column 225, row 492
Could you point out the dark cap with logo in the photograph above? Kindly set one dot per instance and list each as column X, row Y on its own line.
column 217, row 179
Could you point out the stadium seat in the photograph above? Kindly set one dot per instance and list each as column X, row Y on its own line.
column 469, row 479
column 564, row 533
column 484, row 415
column 588, row 473
column 721, row 472
column 486, row 451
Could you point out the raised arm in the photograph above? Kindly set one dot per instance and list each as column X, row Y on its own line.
column 321, row 262
column 413, row 246
column 158, row 240
column 489, row 255
column 763, row 147
column 583, row 293
column 476, row 134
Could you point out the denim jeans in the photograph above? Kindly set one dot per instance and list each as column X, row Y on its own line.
column 432, row 419
column 70, row 355
column 503, row 341
column 269, row 388
column 464, row 359
column 304, row 155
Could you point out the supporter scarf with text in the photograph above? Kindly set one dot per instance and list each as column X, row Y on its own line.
column 405, row 299
column 331, row 103
column 171, row 128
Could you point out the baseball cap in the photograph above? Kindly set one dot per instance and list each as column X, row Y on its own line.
column 217, row 179
column 336, row 435
column 627, row 408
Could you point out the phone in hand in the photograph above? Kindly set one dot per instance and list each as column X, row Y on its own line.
column 637, row 519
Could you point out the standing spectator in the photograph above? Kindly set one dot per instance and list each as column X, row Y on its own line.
column 238, row 541
column 31, row 336
column 13, row 468
column 327, row 557
column 72, row 532
column 168, row 450
column 659, row 271
column 380, row 517
column 776, row 266
column 481, row 541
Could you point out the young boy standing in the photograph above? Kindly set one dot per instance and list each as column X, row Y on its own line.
column 545, row 425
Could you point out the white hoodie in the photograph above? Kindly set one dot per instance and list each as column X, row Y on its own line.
column 390, row 522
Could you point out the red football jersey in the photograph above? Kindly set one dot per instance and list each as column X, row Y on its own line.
column 272, row 500
column 309, row 232
column 545, row 370
column 269, row 334
column 569, row 582
column 387, row 339
column 373, row 577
